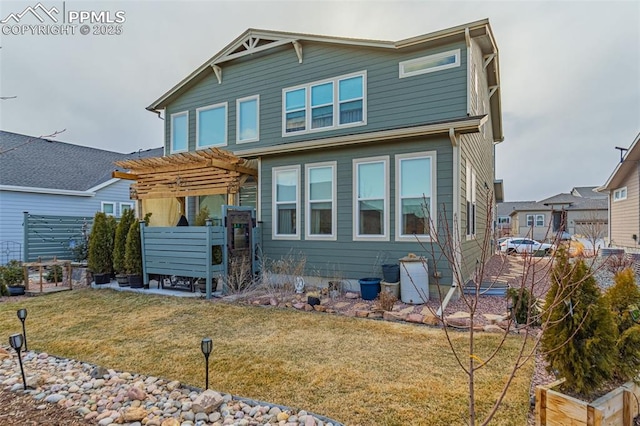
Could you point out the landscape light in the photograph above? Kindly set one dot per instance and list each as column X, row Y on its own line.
column 206, row 346
column 15, row 340
column 22, row 315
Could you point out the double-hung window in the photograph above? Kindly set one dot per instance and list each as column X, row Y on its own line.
column 211, row 126
column 321, row 200
column 179, row 131
column 286, row 205
column 530, row 220
column 325, row 105
column 415, row 193
column 471, row 201
column 248, row 119
column 539, row 220
column 371, row 199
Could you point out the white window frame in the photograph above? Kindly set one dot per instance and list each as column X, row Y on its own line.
column 113, row 206
column 386, row 223
column 539, row 217
column 471, row 202
column 275, row 203
column 208, row 108
column 504, row 220
column 334, row 204
column 620, row 194
column 131, row 205
column 533, row 220
column 434, row 188
column 171, row 126
column 238, row 127
column 336, row 104
column 403, row 73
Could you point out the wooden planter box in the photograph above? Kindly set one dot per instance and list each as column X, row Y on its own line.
column 618, row 407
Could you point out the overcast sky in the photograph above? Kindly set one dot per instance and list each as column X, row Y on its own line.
column 570, row 72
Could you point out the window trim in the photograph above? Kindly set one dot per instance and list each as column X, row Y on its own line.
column 386, row 222
column 508, row 220
column 434, row 192
column 403, row 64
column 471, row 202
column 618, row 194
column 274, row 208
column 171, row 127
column 126, row 203
column 113, row 205
column 334, row 202
column 336, row 104
column 226, row 125
column 238, row 102
column 539, row 216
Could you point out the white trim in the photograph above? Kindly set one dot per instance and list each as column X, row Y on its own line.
column 336, row 104
column 424, row 60
column 620, row 194
column 539, row 216
column 334, row 202
column 112, row 203
column 103, row 185
column 386, row 201
column 52, row 191
column 259, row 191
column 238, row 102
column 226, row 120
column 171, row 143
column 432, row 155
column 274, row 209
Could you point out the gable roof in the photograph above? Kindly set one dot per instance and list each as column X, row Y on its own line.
column 32, row 162
column 253, row 41
column 628, row 163
column 587, row 192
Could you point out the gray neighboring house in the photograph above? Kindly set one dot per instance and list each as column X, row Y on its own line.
column 622, row 191
column 50, row 177
column 582, row 211
column 358, row 142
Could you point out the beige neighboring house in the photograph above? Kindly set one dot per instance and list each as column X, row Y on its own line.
column 580, row 212
column 623, row 192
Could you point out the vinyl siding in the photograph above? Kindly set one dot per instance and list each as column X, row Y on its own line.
column 625, row 214
column 391, row 102
column 354, row 259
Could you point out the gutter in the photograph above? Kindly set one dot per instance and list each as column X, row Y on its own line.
column 51, row 191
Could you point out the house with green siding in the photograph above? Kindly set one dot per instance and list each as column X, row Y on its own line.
column 365, row 150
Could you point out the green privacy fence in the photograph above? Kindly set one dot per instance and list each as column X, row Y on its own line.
column 46, row 236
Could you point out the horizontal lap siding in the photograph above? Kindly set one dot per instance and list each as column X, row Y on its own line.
column 625, row 214
column 347, row 258
column 392, row 102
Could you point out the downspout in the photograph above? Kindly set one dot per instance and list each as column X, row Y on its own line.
column 455, row 211
column 467, row 37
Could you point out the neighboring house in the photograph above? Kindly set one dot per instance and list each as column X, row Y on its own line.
column 49, row 177
column 622, row 191
column 358, row 144
column 581, row 212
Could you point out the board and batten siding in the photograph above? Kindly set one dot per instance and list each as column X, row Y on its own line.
column 346, row 258
column 391, row 102
column 13, row 204
column 625, row 214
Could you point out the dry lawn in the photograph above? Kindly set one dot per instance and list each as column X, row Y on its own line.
column 360, row 372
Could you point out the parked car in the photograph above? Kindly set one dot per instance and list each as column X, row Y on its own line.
column 500, row 241
column 524, row 245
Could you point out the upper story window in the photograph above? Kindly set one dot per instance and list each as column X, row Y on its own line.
column 179, row 131
column 108, row 208
column 286, row 205
column 371, row 199
column 620, row 194
column 211, row 126
column 431, row 63
column 325, row 105
column 504, row 220
column 415, row 189
column 248, row 119
column 321, row 201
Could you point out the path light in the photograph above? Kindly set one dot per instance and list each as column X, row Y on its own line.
column 22, row 315
column 15, row 340
column 206, row 345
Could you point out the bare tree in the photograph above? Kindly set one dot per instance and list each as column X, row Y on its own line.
column 593, row 227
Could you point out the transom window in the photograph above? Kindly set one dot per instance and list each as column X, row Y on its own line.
column 211, row 125
column 371, row 199
column 286, row 206
column 620, row 194
column 325, row 105
column 248, row 119
column 431, row 63
column 179, row 131
column 321, row 211
column 415, row 189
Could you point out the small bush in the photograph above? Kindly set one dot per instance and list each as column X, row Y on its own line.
column 11, row 274
column 617, row 263
column 386, row 300
column 524, row 304
column 202, row 216
column 54, row 274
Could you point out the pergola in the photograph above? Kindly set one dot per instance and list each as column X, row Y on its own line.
column 205, row 172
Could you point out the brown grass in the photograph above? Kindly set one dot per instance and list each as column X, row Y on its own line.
column 356, row 371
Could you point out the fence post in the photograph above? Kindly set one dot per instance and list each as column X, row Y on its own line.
column 208, row 229
column 145, row 276
column 25, row 237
